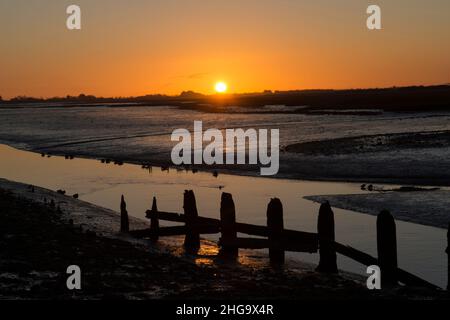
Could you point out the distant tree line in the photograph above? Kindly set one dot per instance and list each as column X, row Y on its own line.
column 412, row 98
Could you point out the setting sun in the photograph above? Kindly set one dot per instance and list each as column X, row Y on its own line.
column 221, row 87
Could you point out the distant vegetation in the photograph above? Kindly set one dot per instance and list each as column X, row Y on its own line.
column 415, row 98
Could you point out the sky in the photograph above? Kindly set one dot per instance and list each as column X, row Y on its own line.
column 138, row 47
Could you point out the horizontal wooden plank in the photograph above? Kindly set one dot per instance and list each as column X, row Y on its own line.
column 263, row 231
column 309, row 247
column 206, row 228
column 301, row 236
column 168, row 216
column 355, row 254
column 412, row 280
column 252, row 229
column 366, row 259
column 173, row 231
column 246, row 228
column 246, row 243
column 176, row 217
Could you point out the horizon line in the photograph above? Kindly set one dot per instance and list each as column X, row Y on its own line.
column 192, row 92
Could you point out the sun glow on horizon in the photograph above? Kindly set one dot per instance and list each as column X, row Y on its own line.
column 221, row 87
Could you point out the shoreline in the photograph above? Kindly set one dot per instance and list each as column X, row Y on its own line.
column 188, row 280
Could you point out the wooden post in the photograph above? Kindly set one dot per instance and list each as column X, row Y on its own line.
column 192, row 239
column 448, row 257
column 325, row 229
column 154, row 222
column 275, row 226
column 124, row 223
column 387, row 248
column 228, row 226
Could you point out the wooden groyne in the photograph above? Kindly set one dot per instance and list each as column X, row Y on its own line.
column 275, row 237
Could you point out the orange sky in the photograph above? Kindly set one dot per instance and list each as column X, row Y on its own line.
column 141, row 47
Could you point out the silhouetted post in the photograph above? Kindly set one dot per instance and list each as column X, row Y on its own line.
column 325, row 230
column 154, row 221
column 448, row 257
column 228, row 225
column 124, row 223
column 192, row 240
column 275, row 226
column 387, row 247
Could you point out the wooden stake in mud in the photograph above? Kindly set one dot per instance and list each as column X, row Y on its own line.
column 124, row 223
column 192, row 239
column 154, row 222
column 228, row 226
column 387, row 248
column 275, row 226
column 325, row 229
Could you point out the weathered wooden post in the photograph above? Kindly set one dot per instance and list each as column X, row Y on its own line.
column 275, row 226
column 192, row 239
column 387, row 248
column 154, row 221
column 228, row 226
column 448, row 257
column 326, row 235
column 124, row 223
